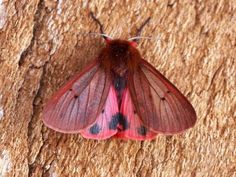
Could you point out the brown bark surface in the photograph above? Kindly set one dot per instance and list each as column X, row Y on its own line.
column 43, row 43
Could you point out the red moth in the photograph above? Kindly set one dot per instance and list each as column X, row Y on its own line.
column 119, row 94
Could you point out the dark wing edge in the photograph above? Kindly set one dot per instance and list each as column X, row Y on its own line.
column 161, row 106
column 76, row 105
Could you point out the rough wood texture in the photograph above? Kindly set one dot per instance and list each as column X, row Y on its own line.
column 44, row 42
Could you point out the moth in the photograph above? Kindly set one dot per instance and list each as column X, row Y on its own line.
column 119, row 94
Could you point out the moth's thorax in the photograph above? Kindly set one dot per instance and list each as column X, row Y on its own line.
column 120, row 56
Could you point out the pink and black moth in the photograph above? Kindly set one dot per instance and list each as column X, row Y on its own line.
column 119, row 94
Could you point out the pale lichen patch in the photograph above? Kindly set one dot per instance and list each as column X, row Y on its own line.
column 1, row 113
column 59, row 7
column 1, row 108
column 3, row 14
column 5, row 163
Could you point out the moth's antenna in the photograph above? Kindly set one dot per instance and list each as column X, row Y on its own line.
column 100, row 26
column 103, row 35
column 141, row 27
column 138, row 37
column 135, row 39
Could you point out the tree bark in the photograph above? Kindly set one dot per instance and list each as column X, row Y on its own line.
column 44, row 43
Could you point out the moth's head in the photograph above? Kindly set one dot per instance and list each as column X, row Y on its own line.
column 118, row 49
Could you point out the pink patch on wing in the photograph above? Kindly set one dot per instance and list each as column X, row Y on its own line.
column 135, row 130
column 100, row 128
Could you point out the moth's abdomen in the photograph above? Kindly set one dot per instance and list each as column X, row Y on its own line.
column 119, row 84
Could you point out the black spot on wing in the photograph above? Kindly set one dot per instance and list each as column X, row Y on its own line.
column 124, row 123
column 118, row 120
column 142, row 130
column 114, row 122
column 94, row 129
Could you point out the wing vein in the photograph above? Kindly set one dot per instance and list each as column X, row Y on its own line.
column 70, row 112
column 86, row 104
column 105, row 80
column 61, row 106
column 153, row 112
column 151, row 84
